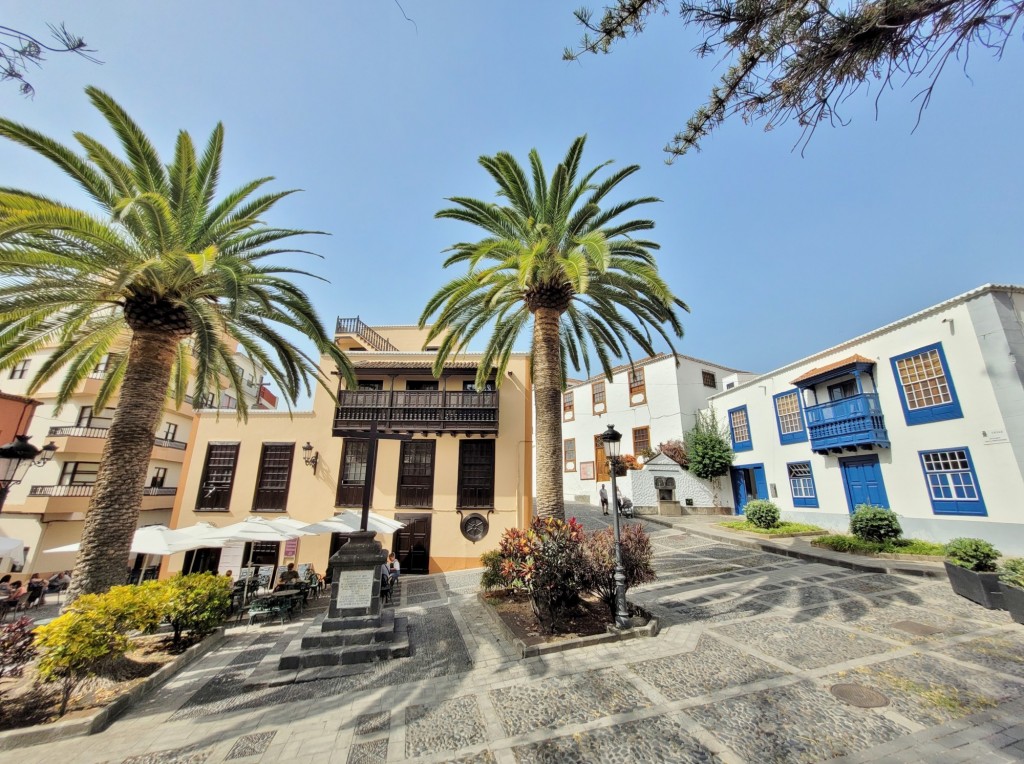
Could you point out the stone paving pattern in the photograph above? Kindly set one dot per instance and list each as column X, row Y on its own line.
column 750, row 644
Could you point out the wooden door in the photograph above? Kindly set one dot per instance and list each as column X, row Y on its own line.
column 412, row 543
column 601, row 461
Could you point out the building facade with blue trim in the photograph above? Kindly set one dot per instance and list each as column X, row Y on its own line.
column 924, row 416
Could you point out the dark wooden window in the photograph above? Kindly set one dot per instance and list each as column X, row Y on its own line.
column 421, row 384
column 170, row 432
column 84, row 417
column 708, row 378
column 159, row 476
column 274, row 477
column 567, row 404
column 370, row 384
column 416, row 474
column 469, row 385
column 353, row 473
column 569, row 455
column 599, row 398
column 19, row 370
column 476, row 473
column 641, row 439
column 218, row 476
column 79, row 473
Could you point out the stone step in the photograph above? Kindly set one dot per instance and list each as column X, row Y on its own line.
column 352, row 636
column 382, row 620
column 349, row 654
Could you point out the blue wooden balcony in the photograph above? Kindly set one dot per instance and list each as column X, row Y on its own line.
column 847, row 424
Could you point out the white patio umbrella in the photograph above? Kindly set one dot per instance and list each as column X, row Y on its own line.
column 14, row 549
column 349, row 520
column 156, row 540
column 260, row 529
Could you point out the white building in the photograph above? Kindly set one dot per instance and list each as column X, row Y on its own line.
column 924, row 416
column 47, row 509
column 650, row 402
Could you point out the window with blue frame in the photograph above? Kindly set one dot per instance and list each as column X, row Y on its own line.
column 801, row 484
column 790, row 417
column 952, row 482
column 739, row 428
column 925, row 386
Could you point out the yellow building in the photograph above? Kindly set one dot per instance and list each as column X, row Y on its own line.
column 47, row 509
column 452, row 462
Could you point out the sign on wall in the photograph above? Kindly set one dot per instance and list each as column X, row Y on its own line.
column 586, row 470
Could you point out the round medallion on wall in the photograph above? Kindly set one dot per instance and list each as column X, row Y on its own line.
column 475, row 526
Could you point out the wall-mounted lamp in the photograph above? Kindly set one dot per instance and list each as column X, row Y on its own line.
column 308, row 457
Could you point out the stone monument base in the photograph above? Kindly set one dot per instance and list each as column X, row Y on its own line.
column 355, row 629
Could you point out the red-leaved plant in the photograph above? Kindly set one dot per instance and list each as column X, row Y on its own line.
column 600, row 561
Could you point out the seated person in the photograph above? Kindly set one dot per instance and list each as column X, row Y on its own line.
column 5, row 587
column 394, row 567
column 59, row 580
column 290, row 576
column 16, row 591
column 36, row 590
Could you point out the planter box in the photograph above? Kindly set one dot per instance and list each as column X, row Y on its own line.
column 1013, row 600
column 982, row 588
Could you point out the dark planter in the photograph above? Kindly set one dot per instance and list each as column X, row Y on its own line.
column 982, row 588
column 1013, row 600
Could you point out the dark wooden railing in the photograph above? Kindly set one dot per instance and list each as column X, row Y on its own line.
column 77, row 432
column 361, row 330
column 417, row 410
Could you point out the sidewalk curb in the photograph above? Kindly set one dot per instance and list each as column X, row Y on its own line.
column 101, row 719
column 529, row 651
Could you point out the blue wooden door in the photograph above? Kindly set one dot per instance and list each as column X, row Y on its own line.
column 748, row 482
column 862, row 479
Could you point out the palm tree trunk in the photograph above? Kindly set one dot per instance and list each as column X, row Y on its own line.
column 547, row 391
column 114, row 509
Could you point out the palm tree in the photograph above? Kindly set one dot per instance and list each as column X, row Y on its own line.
column 160, row 279
column 552, row 253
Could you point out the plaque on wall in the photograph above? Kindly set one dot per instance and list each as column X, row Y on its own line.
column 355, row 589
column 586, row 470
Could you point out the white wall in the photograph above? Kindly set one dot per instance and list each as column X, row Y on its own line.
column 975, row 380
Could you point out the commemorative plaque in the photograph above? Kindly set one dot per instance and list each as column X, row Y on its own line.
column 355, row 589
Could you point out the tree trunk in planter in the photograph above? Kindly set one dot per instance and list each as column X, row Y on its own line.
column 1013, row 601
column 982, row 588
column 113, row 512
column 547, row 391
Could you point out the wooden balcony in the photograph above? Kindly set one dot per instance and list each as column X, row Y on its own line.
column 75, row 498
column 422, row 411
column 847, row 424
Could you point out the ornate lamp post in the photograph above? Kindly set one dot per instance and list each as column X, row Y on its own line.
column 611, row 438
column 15, row 459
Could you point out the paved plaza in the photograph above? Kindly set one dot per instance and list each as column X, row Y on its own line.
column 753, row 652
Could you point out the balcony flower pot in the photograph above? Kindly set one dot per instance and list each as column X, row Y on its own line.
column 982, row 588
column 971, row 567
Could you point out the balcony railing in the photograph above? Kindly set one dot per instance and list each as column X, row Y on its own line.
column 417, row 410
column 849, row 423
column 365, row 333
column 78, row 432
column 86, row 490
column 102, row 432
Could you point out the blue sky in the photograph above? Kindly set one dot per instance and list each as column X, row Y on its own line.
column 779, row 255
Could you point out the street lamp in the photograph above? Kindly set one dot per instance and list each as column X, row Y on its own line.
column 611, row 438
column 15, row 459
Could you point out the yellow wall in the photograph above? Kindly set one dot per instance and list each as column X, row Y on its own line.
column 312, row 498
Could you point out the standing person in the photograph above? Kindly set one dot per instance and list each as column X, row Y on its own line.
column 603, row 493
column 618, row 499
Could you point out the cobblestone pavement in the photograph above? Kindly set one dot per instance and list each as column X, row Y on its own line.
column 751, row 648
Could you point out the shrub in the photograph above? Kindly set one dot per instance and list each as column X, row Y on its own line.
column 676, row 451
column 646, row 454
column 628, row 462
column 974, row 554
column 600, row 561
column 491, row 578
column 75, row 645
column 197, row 602
column 547, row 562
column 708, row 447
column 761, row 513
column 16, row 649
column 870, row 523
column 1012, row 573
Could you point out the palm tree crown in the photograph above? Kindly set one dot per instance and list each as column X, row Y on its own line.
column 163, row 254
column 552, row 252
column 161, row 280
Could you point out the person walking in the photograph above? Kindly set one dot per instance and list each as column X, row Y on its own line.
column 603, row 493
